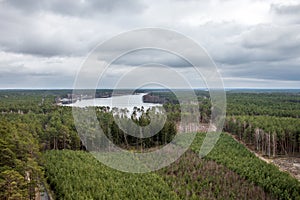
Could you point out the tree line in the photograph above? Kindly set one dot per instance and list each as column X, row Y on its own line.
column 269, row 135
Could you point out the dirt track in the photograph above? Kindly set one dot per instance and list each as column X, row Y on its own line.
column 286, row 164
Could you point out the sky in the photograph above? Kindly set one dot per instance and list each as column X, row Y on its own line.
column 254, row 43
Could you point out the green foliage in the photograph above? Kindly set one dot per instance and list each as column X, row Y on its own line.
column 22, row 102
column 123, row 137
column 195, row 178
column 20, row 173
column 30, row 122
column 78, row 175
column 284, row 132
column 190, row 177
column 236, row 157
column 272, row 104
column 13, row 185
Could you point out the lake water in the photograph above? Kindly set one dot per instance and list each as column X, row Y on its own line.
column 125, row 101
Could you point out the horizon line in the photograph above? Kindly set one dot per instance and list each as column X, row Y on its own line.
column 225, row 88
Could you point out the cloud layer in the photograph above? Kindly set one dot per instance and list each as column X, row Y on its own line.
column 254, row 43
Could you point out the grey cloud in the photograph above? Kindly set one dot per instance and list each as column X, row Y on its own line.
column 273, row 42
column 26, row 75
column 18, row 76
column 152, row 46
column 142, row 57
column 285, row 14
column 78, row 8
column 36, row 82
column 267, row 52
column 43, row 74
column 29, row 35
column 20, row 71
column 262, row 43
column 39, row 46
column 55, row 28
column 263, row 51
column 286, row 9
column 282, row 70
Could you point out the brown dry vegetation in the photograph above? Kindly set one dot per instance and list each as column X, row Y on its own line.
column 194, row 178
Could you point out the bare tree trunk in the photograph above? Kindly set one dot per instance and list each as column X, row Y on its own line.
column 54, row 143
column 262, row 142
column 125, row 138
column 269, row 145
column 240, row 132
column 64, row 140
column 257, row 139
column 274, row 145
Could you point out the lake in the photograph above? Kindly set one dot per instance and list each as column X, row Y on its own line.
column 125, row 101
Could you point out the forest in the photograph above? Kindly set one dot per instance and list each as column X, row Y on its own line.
column 41, row 150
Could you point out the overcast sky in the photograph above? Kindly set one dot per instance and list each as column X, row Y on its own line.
column 254, row 43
